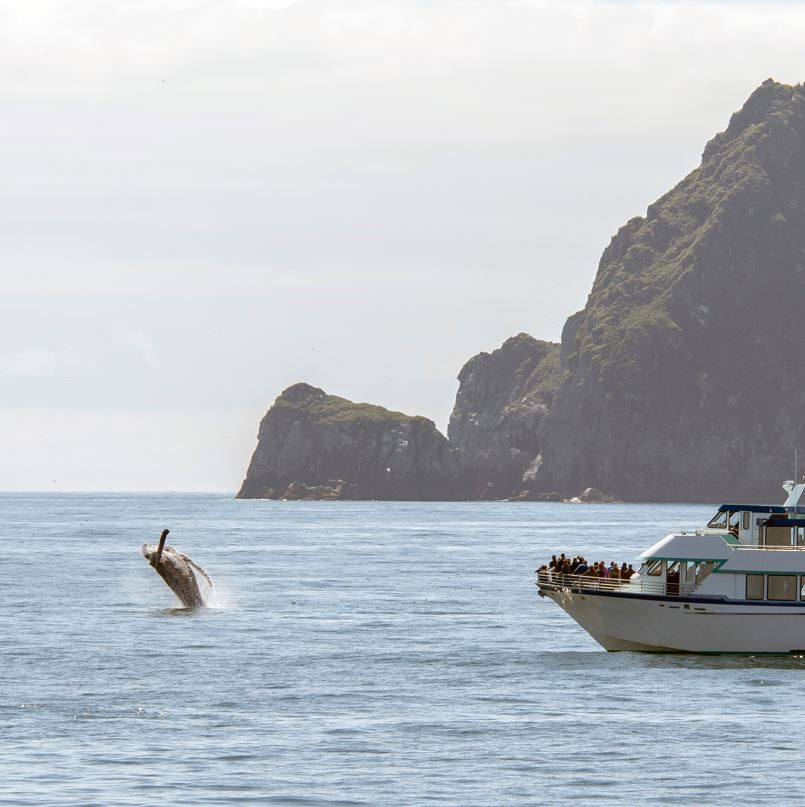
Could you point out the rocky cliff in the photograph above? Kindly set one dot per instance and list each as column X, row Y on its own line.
column 680, row 379
column 317, row 446
column 501, row 401
column 684, row 371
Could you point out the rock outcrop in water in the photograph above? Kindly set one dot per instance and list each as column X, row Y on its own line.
column 315, row 445
column 681, row 379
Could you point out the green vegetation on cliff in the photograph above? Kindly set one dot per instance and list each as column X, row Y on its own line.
column 630, row 311
column 543, row 379
column 317, row 406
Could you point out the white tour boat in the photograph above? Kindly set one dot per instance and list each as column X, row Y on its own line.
column 736, row 586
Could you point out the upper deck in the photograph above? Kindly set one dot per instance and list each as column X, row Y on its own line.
column 756, row 526
column 743, row 551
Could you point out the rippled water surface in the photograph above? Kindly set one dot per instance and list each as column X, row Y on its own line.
column 361, row 654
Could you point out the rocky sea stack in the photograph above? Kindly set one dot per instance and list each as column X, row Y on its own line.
column 681, row 379
column 317, row 446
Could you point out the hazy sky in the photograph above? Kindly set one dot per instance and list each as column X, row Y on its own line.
column 205, row 202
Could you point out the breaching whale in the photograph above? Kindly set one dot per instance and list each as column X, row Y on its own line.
column 177, row 570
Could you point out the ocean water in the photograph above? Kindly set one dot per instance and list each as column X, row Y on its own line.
column 358, row 654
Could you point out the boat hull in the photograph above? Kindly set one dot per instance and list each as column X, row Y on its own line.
column 675, row 625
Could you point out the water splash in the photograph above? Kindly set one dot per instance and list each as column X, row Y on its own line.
column 218, row 597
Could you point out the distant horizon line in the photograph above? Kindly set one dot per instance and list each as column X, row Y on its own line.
column 114, row 492
column 234, row 497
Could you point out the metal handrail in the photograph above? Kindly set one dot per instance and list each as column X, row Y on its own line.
column 637, row 585
column 770, row 548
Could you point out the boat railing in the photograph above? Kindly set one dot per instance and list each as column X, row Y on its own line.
column 770, row 548
column 639, row 585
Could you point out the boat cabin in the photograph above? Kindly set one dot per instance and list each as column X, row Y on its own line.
column 763, row 525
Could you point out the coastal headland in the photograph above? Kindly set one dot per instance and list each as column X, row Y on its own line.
column 679, row 380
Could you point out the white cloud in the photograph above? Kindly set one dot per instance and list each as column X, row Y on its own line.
column 42, row 363
column 141, row 346
column 69, row 362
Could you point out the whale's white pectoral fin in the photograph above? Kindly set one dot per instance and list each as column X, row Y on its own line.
column 198, row 569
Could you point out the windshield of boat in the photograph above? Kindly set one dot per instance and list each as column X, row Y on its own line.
column 719, row 520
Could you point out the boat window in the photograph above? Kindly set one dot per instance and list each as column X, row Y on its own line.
column 719, row 520
column 703, row 571
column 754, row 586
column 734, row 520
column 800, row 536
column 654, row 568
column 778, row 536
column 782, row 587
column 747, row 519
column 802, row 587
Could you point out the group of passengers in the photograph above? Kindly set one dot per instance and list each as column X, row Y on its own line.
column 579, row 566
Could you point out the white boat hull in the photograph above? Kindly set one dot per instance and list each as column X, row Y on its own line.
column 670, row 625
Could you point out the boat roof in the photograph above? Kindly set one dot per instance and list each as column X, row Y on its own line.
column 755, row 508
column 785, row 522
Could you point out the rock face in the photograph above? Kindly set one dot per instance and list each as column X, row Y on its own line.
column 682, row 378
column 314, row 445
column 501, row 401
column 684, row 371
column 594, row 496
